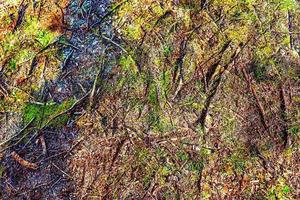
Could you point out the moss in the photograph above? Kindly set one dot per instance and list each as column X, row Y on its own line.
column 45, row 37
column 128, row 64
column 12, row 65
column 43, row 113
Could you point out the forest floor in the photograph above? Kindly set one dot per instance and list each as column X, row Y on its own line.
column 118, row 99
column 82, row 64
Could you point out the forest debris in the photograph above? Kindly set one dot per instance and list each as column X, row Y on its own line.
column 259, row 105
column 35, row 60
column 80, row 3
column 68, row 44
column 213, row 68
column 93, row 91
column 63, row 153
column 114, row 43
column 33, row 65
column 214, row 87
column 43, row 143
column 73, row 147
column 109, row 13
column 62, row 171
column 79, row 101
column 21, row 14
column 16, row 135
column 23, row 162
column 67, row 60
column 283, row 114
column 3, row 91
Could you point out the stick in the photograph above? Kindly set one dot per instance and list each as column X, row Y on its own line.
column 43, row 143
column 23, row 162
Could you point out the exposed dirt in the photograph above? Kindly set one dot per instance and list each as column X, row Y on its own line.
column 84, row 54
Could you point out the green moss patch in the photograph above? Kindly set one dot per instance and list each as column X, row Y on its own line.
column 43, row 113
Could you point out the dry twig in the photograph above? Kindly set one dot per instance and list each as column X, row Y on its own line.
column 23, row 162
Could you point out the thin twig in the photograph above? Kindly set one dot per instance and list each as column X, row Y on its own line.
column 113, row 42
